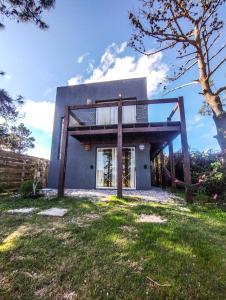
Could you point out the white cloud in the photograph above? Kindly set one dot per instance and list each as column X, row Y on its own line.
column 114, row 65
column 75, row 80
column 38, row 115
column 82, row 57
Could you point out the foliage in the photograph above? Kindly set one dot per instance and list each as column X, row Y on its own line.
column 22, row 11
column 26, row 188
column 26, row 11
column 207, row 169
column 20, row 139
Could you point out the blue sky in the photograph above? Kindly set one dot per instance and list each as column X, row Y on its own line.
column 85, row 42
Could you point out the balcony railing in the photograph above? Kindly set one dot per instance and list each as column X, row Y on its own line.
column 134, row 112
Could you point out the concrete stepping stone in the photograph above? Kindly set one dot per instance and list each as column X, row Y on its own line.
column 151, row 219
column 54, row 212
column 24, row 210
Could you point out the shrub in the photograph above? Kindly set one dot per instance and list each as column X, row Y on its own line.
column 26, row 188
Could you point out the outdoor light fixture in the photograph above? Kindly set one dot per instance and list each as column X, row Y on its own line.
column 88, row 101
column 141, row 147
column 87, row 147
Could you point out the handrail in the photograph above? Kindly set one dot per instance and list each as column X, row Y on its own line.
column 124, row 103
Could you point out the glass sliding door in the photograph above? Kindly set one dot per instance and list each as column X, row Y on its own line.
column 106, row 168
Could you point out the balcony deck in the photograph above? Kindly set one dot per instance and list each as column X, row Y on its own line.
column 151, row 132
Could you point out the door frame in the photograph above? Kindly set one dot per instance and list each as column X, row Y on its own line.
column 114, row 188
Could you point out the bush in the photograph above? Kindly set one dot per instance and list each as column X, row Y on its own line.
column 26, row 188
column 206, row 168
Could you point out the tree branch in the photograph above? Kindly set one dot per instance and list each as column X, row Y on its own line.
column 220, row 90
column 222, row 48
column 182, row 86
column 217, row 67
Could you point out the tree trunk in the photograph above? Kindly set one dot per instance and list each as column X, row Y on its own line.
column 220, row 122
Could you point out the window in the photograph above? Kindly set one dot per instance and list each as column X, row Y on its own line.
column 60, row 137
column 109, row 115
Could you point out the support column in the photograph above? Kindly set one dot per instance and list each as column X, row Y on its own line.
column 172, row 165
column 63, row 158
column 119, row 151
column 163, row 181
column 185, row 152
column 157, row 181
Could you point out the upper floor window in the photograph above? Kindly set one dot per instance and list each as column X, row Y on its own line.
column 109, row 115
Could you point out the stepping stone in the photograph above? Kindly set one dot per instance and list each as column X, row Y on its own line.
column 151, row 219
column 54, row 211
column 25, row 210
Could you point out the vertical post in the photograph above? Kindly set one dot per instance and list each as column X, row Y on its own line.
column 163, row 181
column 119, row 150
column 157, row 181
column 185, row 152
column 63, row 150
column 172, row 165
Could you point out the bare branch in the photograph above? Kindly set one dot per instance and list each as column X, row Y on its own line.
column 188, row 54
column 220, row 90
column 222, row 48
column 217, row 67
column 185, row 70
column 182, row 86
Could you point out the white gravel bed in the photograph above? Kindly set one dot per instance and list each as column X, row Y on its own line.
column 153, row 195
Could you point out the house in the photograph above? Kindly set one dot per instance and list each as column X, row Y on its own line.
column 104, row 138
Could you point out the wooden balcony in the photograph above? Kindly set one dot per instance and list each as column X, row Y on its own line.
column 82, row 122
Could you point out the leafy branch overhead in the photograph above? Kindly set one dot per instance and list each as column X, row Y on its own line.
column 25, row 10
column 195, row 29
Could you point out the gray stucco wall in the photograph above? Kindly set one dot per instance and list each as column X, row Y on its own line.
column 79, row 173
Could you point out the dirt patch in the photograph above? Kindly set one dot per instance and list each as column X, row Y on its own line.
column 151, row 219
column 85, row 220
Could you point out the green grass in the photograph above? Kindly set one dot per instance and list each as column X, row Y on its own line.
column 99, row 251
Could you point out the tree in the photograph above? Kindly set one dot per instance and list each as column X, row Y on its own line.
column 26, row 11
column 195, row 30
column 18, row 139
column 21, row 11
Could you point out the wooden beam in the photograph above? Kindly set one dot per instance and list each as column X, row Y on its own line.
column 124, row 103
column 157, row 181
column 163, row 179
column 115, row 100
column 93, row 132
column 172, row 165
column 76, row 118
column 119, row 151
column 185, row 152
column 172, row 112
column 63, row 158
column 151, row 129
column 124, row 130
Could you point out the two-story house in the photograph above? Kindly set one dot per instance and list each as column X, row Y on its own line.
column 103, row 137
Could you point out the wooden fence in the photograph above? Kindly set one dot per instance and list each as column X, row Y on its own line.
column 16, row 168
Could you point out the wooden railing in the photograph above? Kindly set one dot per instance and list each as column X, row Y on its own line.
column 16, row 168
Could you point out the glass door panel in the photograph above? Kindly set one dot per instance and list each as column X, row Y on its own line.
column 128, row 168
column 106, row 169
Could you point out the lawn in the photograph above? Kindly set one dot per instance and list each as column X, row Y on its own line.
column 100, row 251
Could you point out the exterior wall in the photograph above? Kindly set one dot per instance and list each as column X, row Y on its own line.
column 79, row 173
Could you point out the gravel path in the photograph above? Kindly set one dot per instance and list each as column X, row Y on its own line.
column 155, row 194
